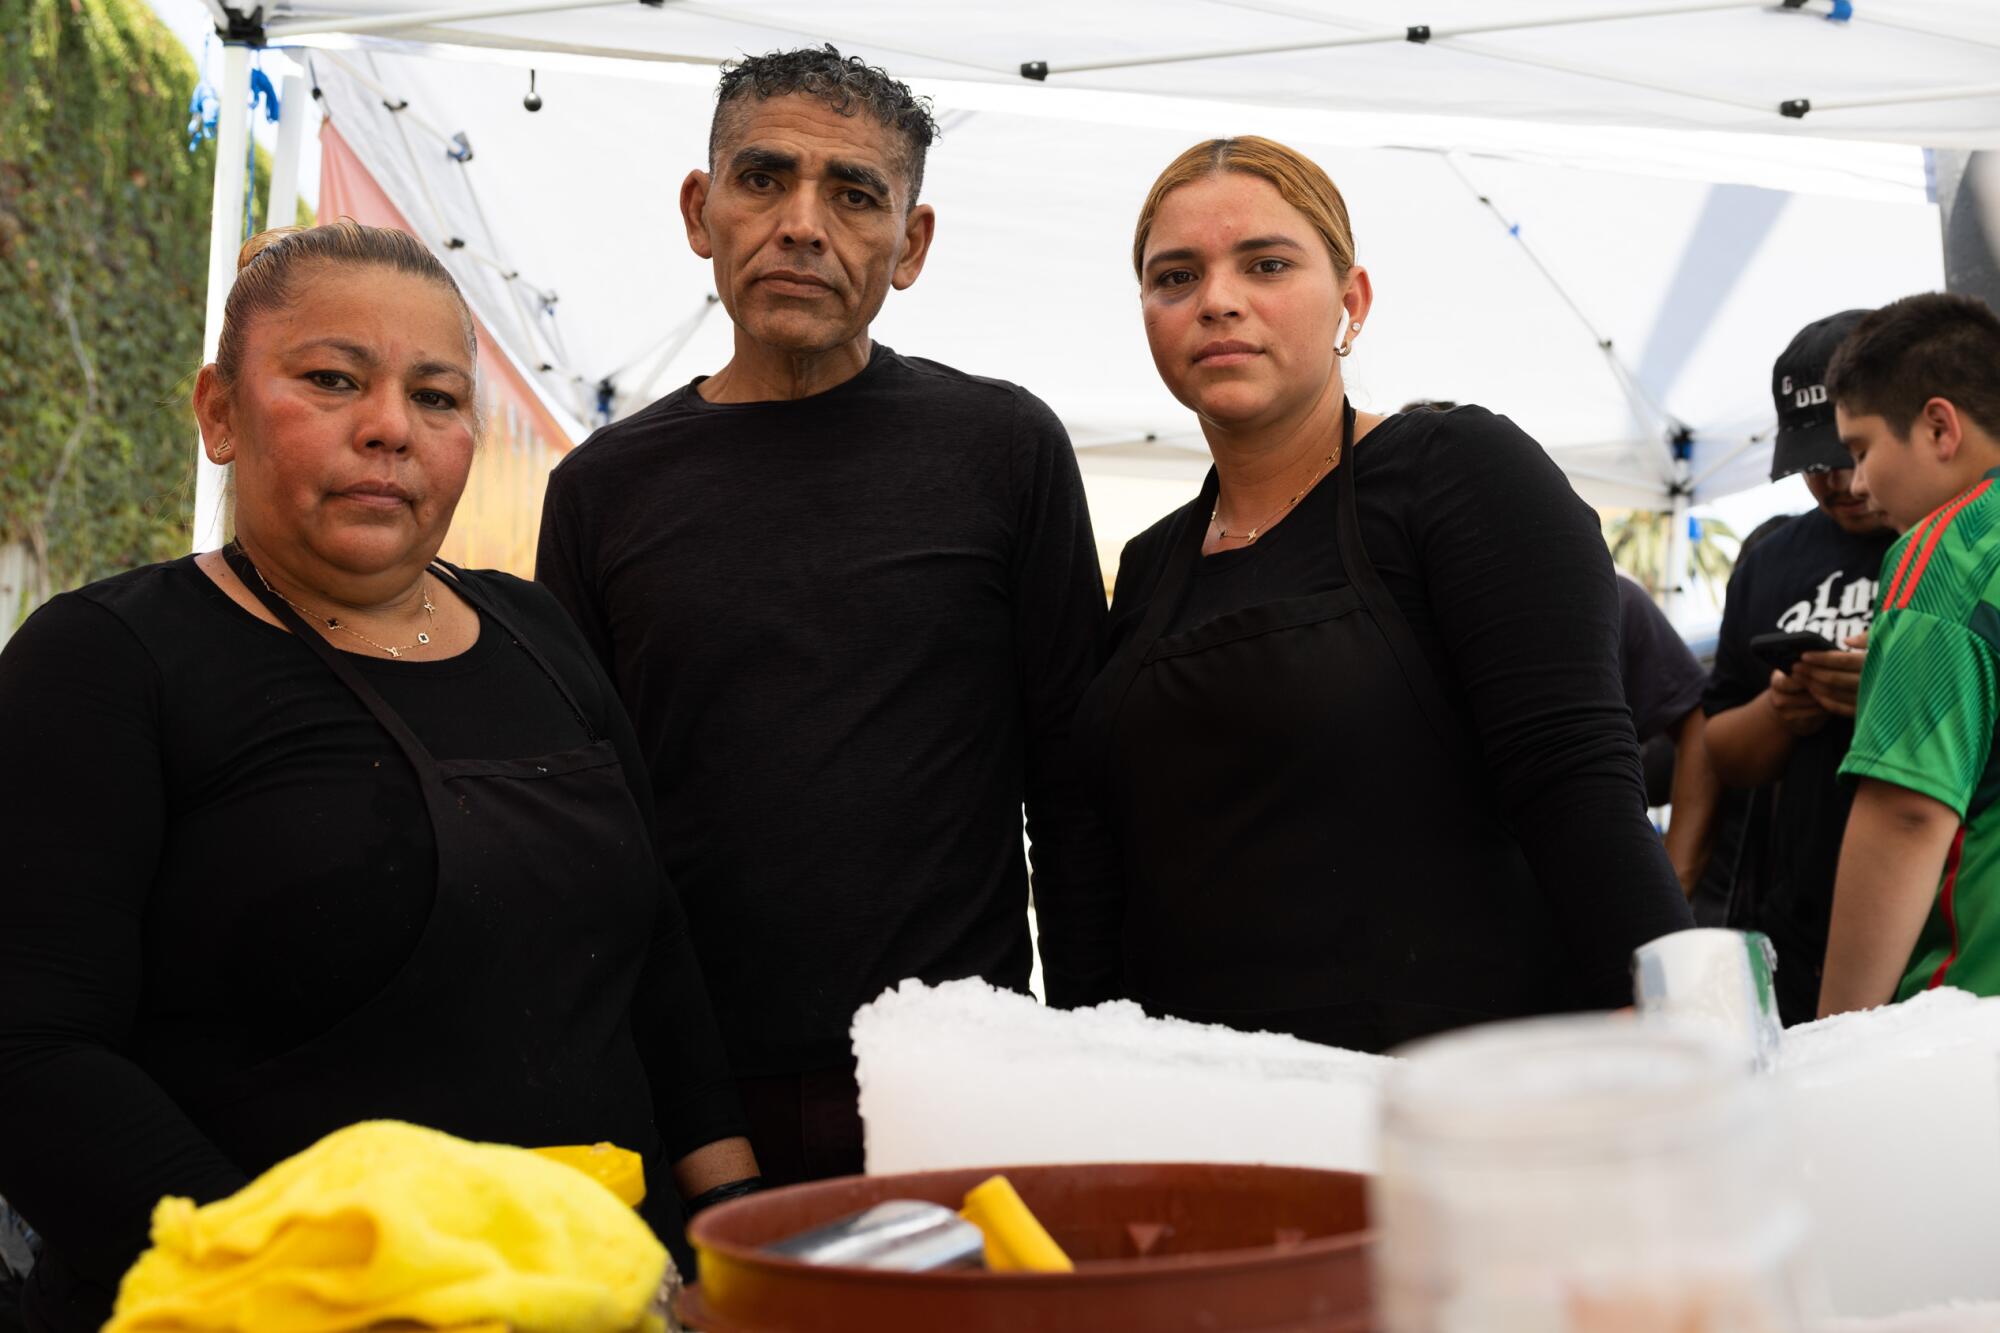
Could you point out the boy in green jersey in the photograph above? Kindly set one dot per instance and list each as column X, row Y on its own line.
column 1916, row 903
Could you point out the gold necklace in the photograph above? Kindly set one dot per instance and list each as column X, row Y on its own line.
column 1282, row 510
column 334, row 622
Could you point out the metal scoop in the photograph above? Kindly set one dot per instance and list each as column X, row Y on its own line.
column 902, row 1235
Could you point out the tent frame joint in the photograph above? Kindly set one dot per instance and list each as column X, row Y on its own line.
column 1795, row 108
column 1035, row 70
column 242, row 29
column 1418, row 33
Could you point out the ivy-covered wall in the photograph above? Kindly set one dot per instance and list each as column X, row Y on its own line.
column 103, row 273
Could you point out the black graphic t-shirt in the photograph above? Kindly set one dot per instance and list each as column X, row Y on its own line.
column 1813, row 576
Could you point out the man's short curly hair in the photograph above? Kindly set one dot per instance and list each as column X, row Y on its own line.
column 845, row 83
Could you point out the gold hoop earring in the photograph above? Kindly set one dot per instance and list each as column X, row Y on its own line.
column 1353, row 331
column 223, row 448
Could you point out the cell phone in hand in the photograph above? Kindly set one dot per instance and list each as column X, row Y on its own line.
column 1782, row 651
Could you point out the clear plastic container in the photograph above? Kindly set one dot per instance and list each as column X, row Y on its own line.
column 1585, row 1175
column 1716, row 980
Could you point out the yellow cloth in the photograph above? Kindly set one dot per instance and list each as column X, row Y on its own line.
column 386, row 1223
column 619, row 1170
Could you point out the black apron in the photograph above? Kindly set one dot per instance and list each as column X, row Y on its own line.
column 509, row 1023
column 1310, row 740
column 510, row 1020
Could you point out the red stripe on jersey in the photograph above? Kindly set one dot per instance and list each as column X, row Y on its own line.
column 1947, row 905
column 1930, row 542
column 1909, row 554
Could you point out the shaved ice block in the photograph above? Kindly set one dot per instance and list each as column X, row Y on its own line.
column 1958, row 1317
column 1897, row 1113
column 963, row 1074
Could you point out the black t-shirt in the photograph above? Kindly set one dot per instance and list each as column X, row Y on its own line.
column 1808, row 575
column 851, row 630
column 213, row 852
column 1503, row 577
column 1663, row 681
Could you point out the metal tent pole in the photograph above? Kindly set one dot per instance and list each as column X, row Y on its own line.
column 1450, row 38
column 1524, row 59
column 1969, row 221
column 1419, row 33
column 1713, row 469
column 284, row 197
column 225, row 238
column 814, row 29
column 1677, row 577
column 1643, row 404
column 1908, row 97
column 424, row 18
column 1875, row 20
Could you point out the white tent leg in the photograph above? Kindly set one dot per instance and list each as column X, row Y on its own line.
column 1677, row 578
column 284, row 197
column 225, row 238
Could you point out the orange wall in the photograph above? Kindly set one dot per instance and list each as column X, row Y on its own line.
column 498, row 517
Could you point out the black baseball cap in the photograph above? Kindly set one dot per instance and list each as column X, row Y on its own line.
column 1807, row 437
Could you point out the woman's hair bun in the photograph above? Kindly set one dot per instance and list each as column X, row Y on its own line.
column 261, row 242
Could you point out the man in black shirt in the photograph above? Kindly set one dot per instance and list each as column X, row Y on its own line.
column 1663, row 688
column 1790, row 730
column 850, row 598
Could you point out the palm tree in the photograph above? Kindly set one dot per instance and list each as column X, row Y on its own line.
column 1638, row 539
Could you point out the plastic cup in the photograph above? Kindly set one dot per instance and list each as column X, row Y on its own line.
column 1585, row 1175
column 1719, row 980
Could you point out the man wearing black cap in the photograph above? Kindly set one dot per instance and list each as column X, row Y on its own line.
column 1789, row 729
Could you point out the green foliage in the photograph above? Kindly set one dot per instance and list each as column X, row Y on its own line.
column 103, row 277
column 1638, row 539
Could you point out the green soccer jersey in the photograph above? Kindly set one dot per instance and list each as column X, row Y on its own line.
column 1930, row 702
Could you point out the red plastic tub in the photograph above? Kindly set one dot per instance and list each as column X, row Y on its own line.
column 1163, row 1248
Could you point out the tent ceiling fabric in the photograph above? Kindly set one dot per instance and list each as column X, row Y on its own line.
column 1695, row 284
column 1922, row 72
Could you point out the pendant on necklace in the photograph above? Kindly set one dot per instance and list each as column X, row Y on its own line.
column 394, row 652
column 423, row 638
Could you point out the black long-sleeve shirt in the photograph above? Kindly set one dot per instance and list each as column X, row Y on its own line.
column 851, row 630
column 208, row 846
column 1505, row 581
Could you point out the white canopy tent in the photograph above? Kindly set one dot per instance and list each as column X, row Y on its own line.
column 1614, row 265
column 1910, row 71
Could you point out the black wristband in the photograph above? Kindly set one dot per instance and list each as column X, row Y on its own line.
column 723, row 1193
